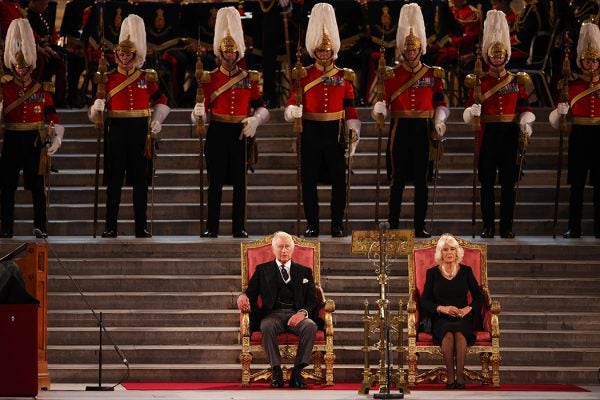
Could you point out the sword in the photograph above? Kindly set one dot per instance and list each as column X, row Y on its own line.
column 438, row 144
column 298, row 73
column 349, row 141
column 521, row 152
column 200, row 129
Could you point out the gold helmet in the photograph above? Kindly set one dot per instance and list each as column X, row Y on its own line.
column 228, row 43
column 588, row 45
column 410, row 34
column 322, row 32
column 20, row 48
column 126, row 45
column 132, row 38
column 496, row 36
column 229, row 35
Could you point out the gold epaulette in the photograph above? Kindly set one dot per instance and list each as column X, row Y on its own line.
column 349, row 74
column 388, row 74
column 438, row 72
column 151, row 75
column 470, row 81
column 48, row 86
column 523, row 78
column 254, row 75
column 6, row 78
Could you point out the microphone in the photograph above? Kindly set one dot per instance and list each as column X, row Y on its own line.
column 384, row 226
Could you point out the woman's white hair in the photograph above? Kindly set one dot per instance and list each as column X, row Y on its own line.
column 447, row 238
column 281, row 235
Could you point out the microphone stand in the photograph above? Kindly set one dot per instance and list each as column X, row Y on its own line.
column 99, row 321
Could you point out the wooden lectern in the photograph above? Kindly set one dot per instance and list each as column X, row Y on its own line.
column 34, row 267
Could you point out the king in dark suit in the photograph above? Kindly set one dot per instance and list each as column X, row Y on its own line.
column 288, row 304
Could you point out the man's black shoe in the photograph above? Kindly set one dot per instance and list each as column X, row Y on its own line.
column 208, row 234
column 337, row 231
column 6, row 234
column 109, row 233
column 311, row 232
column 41, row 234
column 422, row 233
column 507, row 235
column 572, row 234
column 277, row 381
column 240, row 234
column 143, row 234
column 296, row 380
column 488, row 232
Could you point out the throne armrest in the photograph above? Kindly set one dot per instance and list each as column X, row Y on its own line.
column 245, row 323
column 411, row 310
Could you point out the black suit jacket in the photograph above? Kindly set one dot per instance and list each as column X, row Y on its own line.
column 265, row 282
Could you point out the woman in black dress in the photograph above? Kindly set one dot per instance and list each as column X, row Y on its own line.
column 445, row 300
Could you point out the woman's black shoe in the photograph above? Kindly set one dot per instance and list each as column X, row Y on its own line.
column 451, row 385
column 459, row 385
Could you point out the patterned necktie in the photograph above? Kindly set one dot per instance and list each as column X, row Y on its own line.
column 284, row 274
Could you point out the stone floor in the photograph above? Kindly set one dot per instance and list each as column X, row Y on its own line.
column 70, row 391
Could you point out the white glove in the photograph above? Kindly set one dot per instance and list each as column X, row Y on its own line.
column 354, row 125
column 439, row 120
column 379, row 108
column 250, row 125
column 292, row 112
column 54, row 145
column 476, row 110
column 440, row 129
column 199, row 110
column 525, row 122
column 59, row 131
column 562, row 108
column 155, row 127
column 96, row 108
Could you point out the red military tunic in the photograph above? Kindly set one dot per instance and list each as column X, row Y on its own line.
column 234, row 102
column 33, row 112
column 135, row 99
column 470, row 25
column 586, row 111
column 506, row 103
column 9, row 11
column 328, row 94
column 421, row 98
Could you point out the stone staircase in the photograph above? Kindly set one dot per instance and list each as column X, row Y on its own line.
column 169, row 301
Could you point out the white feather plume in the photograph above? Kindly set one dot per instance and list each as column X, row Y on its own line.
column 411, row 17
column 133, row 26
column 19, row 37
column 588, row 35
column 322, row 16
column 495, row 29
column 228, row 20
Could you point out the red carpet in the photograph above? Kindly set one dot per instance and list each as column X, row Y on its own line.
column 343, row 386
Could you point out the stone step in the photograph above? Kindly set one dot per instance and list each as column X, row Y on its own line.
column 331, row 283
column 192, row 372
column 176, row 354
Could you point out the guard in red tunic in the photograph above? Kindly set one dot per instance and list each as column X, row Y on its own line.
column 233, row 97
column 584, row 140
column 415, row 94
column 505, row 113
column 133, row 104
column 26, row 106
column 327, row 110
column 468, row 19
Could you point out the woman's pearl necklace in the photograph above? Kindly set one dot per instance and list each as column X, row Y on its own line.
column 452, row 274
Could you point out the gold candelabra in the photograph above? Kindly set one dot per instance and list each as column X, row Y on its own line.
column 383, row 247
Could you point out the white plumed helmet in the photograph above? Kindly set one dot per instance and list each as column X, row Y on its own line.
column 19, row 46
column 322, row 31
column 229, row 35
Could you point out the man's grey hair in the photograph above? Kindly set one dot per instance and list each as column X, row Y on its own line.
column 281, row 235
